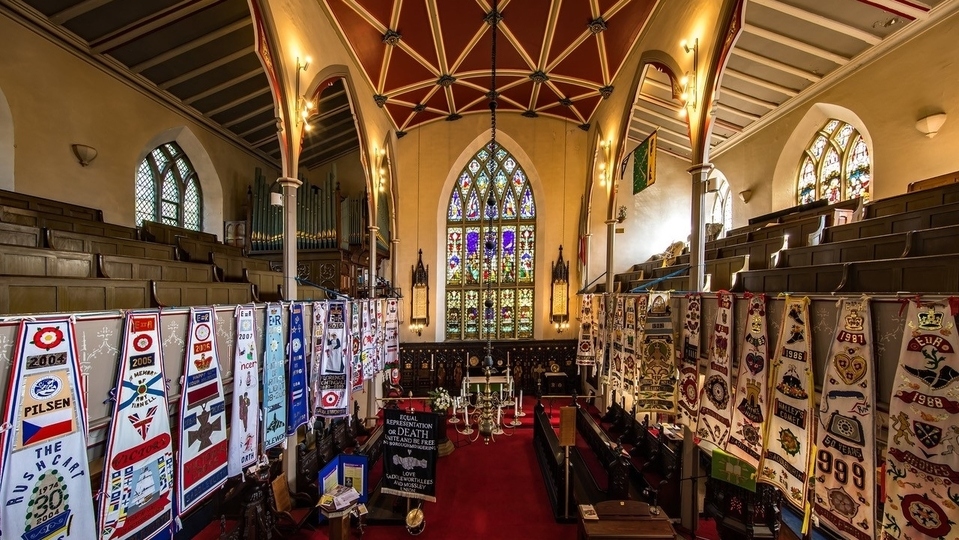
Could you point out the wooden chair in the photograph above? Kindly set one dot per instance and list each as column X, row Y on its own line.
column 291, row 517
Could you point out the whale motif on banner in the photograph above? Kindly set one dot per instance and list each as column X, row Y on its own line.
column 245, row 419
column 656, row 383
column 136, row 497
column 297, row 407
column 689, row 363
column 334, row 384
column 44, row 477
column 789, row 424
column 922, row 459
column 584, row 343
column 749, row 413
column 715, row 399
column 202, row 456
column 274, row 378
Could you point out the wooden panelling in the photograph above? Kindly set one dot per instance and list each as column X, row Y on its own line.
column 231, row 267
column 88, row 243
column 200, row 250
column 20, row 235
column 32, row 218
column 269, row 284
column 25, row 294
column 114, row 266
column 169, row 294
column 31, row 261
column 49, row 206
column 167, row 234
column 925, row 218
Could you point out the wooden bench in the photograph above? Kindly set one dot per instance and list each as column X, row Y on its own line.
column 89, row 243
column 936, row 241
column 723, row 274
column 200, row 250
column 32, row 261
column 48, row 206
column 167, row 234
column 837, row 213
column 946, row 191
column 231, row 268
column 117, row 267
column 178, row 293
column 27, row 294
column 20, row 235
column 552, row 464
column 925, row 218
column 32, row 218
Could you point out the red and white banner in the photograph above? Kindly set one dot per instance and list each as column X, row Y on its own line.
column 355, row 339
column 752, row 386
column 245, row 420
column 320, row 314
column 715, row 399
column 392, row 360
column 584, row 343
column 333, row 385
column 689, row 363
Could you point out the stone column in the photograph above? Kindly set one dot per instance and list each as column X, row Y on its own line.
column 697, row 237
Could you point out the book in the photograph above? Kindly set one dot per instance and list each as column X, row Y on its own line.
column 588, row 512
column 339, row 497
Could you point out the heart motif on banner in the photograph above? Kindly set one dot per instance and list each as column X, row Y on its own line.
column 755, row 363
column 851, row 368
column 693, row 326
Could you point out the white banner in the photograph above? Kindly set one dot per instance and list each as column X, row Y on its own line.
column 584, row 344
column 334, row 385
column 317, row 352
column 752, row 383
column 715, row 400
column 245, row 419
column 689, row 363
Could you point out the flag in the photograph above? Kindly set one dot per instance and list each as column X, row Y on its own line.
column 644, row 164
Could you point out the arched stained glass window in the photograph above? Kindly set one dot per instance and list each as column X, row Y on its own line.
column 168, row 190
column 509, row 266
column 835, row 166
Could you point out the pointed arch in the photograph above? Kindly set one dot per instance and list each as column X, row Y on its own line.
column 6, row 144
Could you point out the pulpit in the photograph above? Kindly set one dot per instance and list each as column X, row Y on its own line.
column 626, row 520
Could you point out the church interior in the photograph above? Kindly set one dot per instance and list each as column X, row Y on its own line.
column 593, row 269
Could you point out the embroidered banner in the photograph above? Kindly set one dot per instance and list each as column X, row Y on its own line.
column 368, row 331
column 245, row 418
column 333, row 384
column 657, row 369
column 584, row 345
column 602, row 336
column 715, row 410
column 136, row 495
column 618, row 343
column 788, row 432
column 296, row 409
column 274, row 379
column 689, row 364
column 392, row 363
column 356, row 346
column 45, row 481
column 317, row 349
column 752, row 382
column 410, row 453
column 922, row 460
column 380, row 334
column 845, row 441
column 630, row 342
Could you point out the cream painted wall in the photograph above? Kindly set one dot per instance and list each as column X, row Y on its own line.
column 56, row 99
column 349, row 173
column 430, row 158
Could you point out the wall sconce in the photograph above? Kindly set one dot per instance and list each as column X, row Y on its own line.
column 303, row 106
column 605, row 169
column 84, row 154
column 420, row 297
column 745, row 195
column 929, row 126
column 559, row 294
column 688, row 82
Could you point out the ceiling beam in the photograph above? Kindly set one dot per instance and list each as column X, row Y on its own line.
column 238, row 101
column 801, row 46
column 76, row 10
column 264, row 125
column 665, row 117
column 666, row 131
column 264, row 141
column 819, row 20
column 775, row 64
column 738, row 112
column 324, row 128
column 747, row 98
column 896, row 7
column 206, row 68
column 148, row 24
column 312, row 161
column 190, row 45
column 762, row 83
column 224, row 85
column 349, row 134
column 248, row 115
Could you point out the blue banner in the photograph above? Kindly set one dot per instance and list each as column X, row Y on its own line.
column 274, row 379
column 297, row 409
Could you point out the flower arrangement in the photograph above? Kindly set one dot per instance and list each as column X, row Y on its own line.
column 440, row 400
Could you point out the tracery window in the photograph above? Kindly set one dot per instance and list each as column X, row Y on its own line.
column 509, row 266
column 168, row 190
column 835, row 166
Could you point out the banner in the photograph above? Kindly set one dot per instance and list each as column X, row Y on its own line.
column 380, row 334
column 618, row 343
column 922, row 460
column 392, row 361
column 584, row 344
column 631, row 341
column 657, row 369
column 602, row 337
column 689, row 363
column 296, row 409
column 644, row 164
column 136, row 494
column 356, row 346
column 202, row 454
column 752, row 386
column 333, row 384
column 274, row 379
column 368, row 350
column 788, row 426
column 317, row 352
column 410, row 453
column 245, row 418
column 846, row 438
column 715, row 410
column 45, row 481
column 732, row 470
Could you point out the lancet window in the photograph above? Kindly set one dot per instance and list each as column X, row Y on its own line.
column 835, row 166
column 168, row 190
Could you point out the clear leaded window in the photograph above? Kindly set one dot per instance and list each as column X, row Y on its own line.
column 508, row 267
column 835, row 166
column 168, row 190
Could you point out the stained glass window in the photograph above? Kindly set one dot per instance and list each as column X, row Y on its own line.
column 509, row 265
column 836, row 166
column 167, row 189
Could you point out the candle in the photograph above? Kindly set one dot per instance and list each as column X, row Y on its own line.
column 465, row 418
column 521, row 395
column 515, row 407
column 431, row 361
column 499, row 413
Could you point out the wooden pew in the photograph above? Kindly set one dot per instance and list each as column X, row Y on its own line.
column 167, row 234
column 372, row 447
column 935, row 241
column 48, row 206
column 27, row 294
column 32, row 261
column 723, row 274
column 231, row 268
column 32, row 218
column 178, row 293
column 116, row 266
column 269, row 285
column 200, row 250
column 552, row 464
column 89, row 243
column 20, row 235
column 925, row 218
column 836, row 214
column 947, row 192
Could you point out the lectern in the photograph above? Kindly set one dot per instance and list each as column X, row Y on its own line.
column 626, row 520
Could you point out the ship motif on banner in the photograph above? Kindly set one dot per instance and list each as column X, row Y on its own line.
column 44, row 476
column 245, row 419
column 749, row 414
column 274, row 378
column 715, row 399
column 355, row 338
column 202, row 457
column 657, row 371
column 584, row 343
column 788, row 429
column 922, row 460
column 689, row 363
column 317, row 351
column 333, row 384
column 845, row 439
column 136, row 497
column 297, row 407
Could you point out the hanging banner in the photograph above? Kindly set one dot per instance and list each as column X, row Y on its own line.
column 630, row 342
column 618, row 343
column 749, row 415
column 689, row 363
column 410, row 453
column 845, row 439
column 202, row 455
column 392, row 362
column 333, row 383
column 44, row 476
column 602, row 337
column 356, row 346
column 657, row 370
column 380, row 334
column 715, row 409
column 274, row 379
column 368, row 351
column 245, row 418
column 922, row 460
column 296, row 409
column 584, row 343
column 317, row 352
column 136, row 494
column 788, row 431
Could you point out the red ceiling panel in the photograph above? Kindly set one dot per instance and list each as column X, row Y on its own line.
column 413, row 96
column 399, row 113
column 527, row 20
column 414, row 27
column 571, row 90
column 563, row 112
column 438, row 100
column 367, row 42
column 583, row 63
column 573, row 20
column 459, row 21
column 521, row 94
column 507, row 57
column 404, row 70
column 379, row 9
column 587, row 106
column 622, row 30
column 463, row 95
column 424, row 116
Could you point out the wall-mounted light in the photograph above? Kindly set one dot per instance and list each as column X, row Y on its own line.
column 304, row 107
column 559, row 294
column 84, row 154
column 929, row 126
column 605, row 168
column 688, row 81
column 420, row 297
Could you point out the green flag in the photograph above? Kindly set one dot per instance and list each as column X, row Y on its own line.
column 644, row 164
